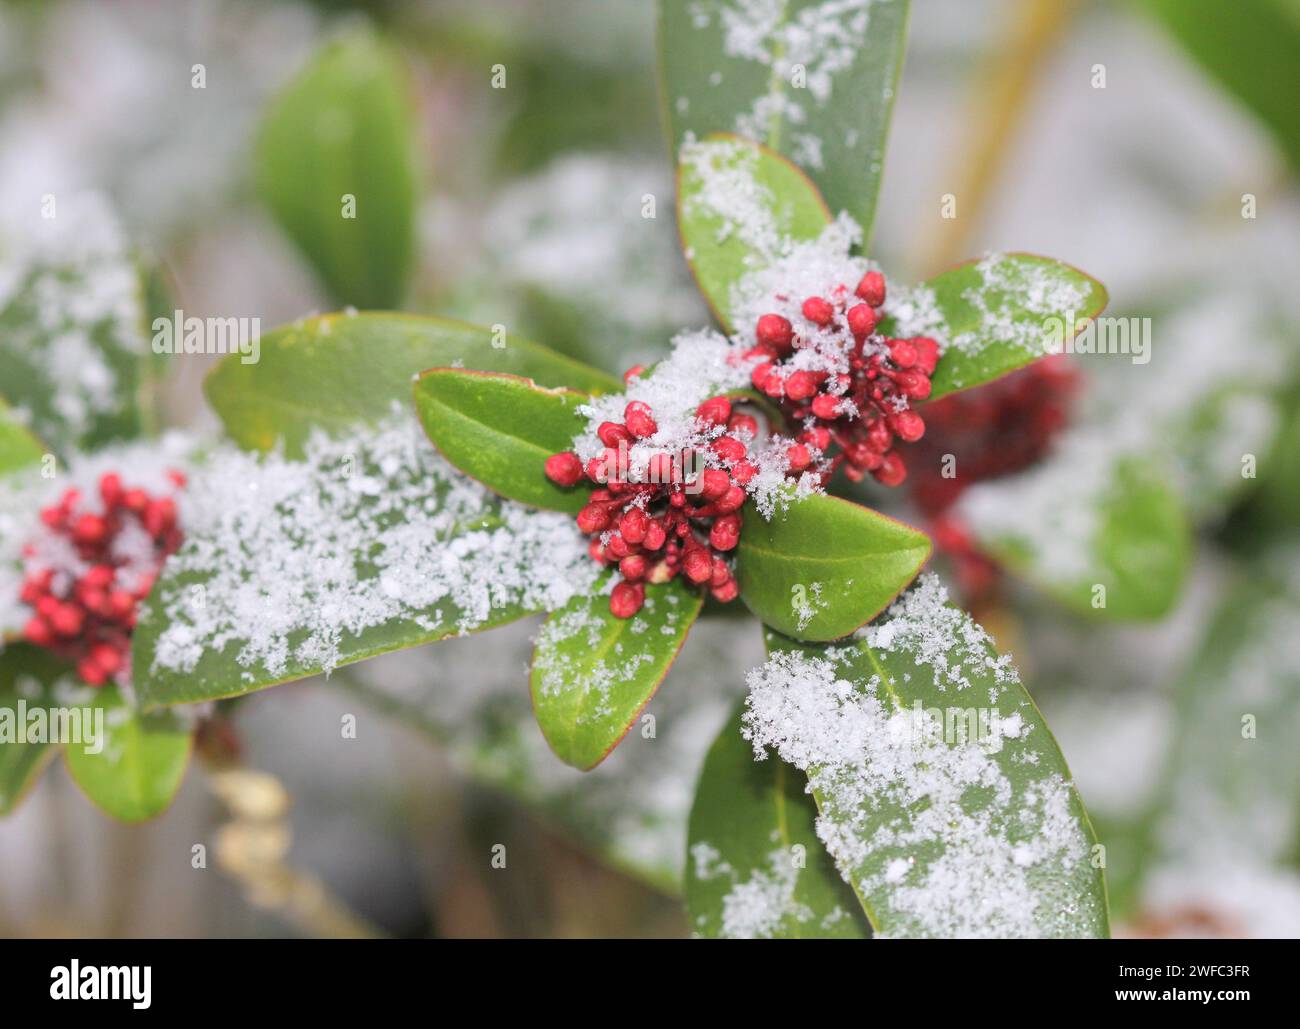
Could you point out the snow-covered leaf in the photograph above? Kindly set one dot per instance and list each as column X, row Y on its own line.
column 1096, row 526
column 812, row 79
column 27, row 675
column 754, row 865
column 335, row 162
column 140, row 767
column 1228, row 815
column 941, row 794
column 18, row 447
column 369, row 544
column 593, row 672
column 500, row 429
column 993, row 315
column 739, row 207
column 336, row 371
column 75, row 360
column 823, row 566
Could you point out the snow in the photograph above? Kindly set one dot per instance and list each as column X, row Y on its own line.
column 70, row 297
column 822, row 40
column 285, row 559
column 702, row 364
column 972, row 837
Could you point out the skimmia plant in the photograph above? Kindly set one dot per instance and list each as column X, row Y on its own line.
column 390, row 480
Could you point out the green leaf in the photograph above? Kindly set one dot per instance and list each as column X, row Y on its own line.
column 754, row 864
column 1251, row 49
column 729, row 70
column 994, row 315
column 500, row 429
column 18, row 447
column 824, row 566
column 27, row 674
column 738, row 203
column 971, row 828
column 594, row 672
column 1103, row 533
column 335, row 162
column 141, row 765
column 370, row 543
column 333, row 372
column 1230, row 791
column 75, row 359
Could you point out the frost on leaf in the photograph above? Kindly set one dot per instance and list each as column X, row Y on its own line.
column 1010, row 299
column 943, row 800
column 820, row 40
column 290, row 563
column 72, row 316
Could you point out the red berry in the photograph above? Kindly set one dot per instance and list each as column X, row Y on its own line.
column 727, row 592
column 892, row 471
column 801, row 385
column 818, row 437
column 698, row 564
column 633, row 372
column 593, row 518
column 798, row 457
column 634, row 525
column 612, row 434
column 38, row 631
column 633, row 567
column 725, row 533
column 908, row 424
column 743, row 423
column 121, row 605
column 729, row 449
column 871, row 289
column 626, row 600
column 862, row 321
column 773, row 385
column 927, row 353
column 903, row 353
column 819, row 311
column 742, row 472
column 655, row 536
column 914, row 384
column 110, row 489
column 775, row 331
column 714, row 411
column 91, row 672
column 135, row 500
column 759, row 373
column 826, row 407
column 721, row 573
column 714, row 483
column 89, row 529
column 107, row 657
column 68, row 619
column 640, row 422
column 564, row 469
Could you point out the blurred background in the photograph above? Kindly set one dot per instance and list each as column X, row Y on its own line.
column 529, row 204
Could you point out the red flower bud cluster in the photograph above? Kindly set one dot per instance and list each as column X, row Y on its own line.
column 678, row 521
column 997, row 429
column 994, row 430
column 862, row 408
column 88, row 616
